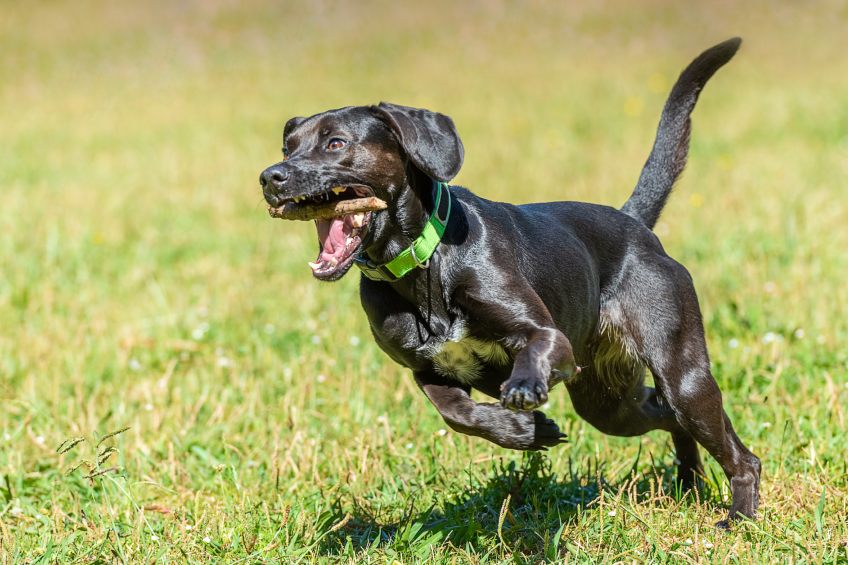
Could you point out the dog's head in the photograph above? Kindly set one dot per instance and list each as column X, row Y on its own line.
column 354, row 152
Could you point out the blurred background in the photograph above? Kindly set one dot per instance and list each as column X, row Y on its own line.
column 143, row 284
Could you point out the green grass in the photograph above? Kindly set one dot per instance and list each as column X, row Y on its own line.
column 143, row 286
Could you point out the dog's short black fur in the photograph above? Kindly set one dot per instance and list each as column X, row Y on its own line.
column 517, row 299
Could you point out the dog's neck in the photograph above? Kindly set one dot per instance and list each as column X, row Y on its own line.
column 404, row 220
column 403, row 223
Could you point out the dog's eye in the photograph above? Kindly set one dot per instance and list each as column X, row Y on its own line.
column 335, row 144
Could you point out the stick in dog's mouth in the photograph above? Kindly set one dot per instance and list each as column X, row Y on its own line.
column 340, row 216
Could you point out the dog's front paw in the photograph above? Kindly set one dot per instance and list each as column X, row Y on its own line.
column 546, row 433
column 519, row 393
column 528, row 431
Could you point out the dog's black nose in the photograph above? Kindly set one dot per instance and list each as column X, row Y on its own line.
column 273, row 178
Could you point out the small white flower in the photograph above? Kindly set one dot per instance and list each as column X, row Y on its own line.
column 38, row 516
column 611, row 513
column 134, row 364
column 442, row 432
column 799, row 333
column 154, row 537
column 7, row 437
column 546, row 405
column 207, row 539
column 382, row 419
column 770, row 337
column 40, row 440
column 287, row 372
column 269, row 328
column 321, row 378
column 225, row 362
column 708, row 545
column 189, row 527
column 687, row 542
column 16, row 511
column 316, row 339
column 200, row 331
column 733, row 343
column 148, row 407
column 354, row 340
column 766, row 424
column 409, row 445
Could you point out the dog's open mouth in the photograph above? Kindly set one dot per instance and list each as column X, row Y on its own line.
column 341, row 216
column 340, row 239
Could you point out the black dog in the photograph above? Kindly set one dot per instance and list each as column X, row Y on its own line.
column 511, row 300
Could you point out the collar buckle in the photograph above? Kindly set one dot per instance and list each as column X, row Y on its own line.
column 418, row 263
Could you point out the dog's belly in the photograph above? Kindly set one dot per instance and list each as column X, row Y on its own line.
column 465, row 359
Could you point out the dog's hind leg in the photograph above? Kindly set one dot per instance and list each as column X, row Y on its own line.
column 611, row 395
column 507, row 428
column 616, row 402
column 674, row 349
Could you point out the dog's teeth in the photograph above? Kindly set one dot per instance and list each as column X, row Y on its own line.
column 332, row 261
column 338, row 190
column 357, row 220
column 314, row 266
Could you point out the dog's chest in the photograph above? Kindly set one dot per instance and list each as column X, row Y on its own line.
column 464, row 358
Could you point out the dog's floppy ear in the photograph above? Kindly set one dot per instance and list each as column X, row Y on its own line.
column 290, row 125
column 428, row 138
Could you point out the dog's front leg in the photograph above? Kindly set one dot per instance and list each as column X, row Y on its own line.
column 513, row 430
column 547, row 353
column 544, row 355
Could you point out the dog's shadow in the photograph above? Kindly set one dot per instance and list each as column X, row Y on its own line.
column 522, row 505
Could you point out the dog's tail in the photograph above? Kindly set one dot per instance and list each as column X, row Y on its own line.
column 668, row 156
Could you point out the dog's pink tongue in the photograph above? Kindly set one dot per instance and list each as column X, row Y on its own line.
column 332, row 237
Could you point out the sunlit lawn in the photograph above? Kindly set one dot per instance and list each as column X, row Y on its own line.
column 143, row 287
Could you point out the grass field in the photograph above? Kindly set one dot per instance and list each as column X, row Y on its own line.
column 143, row 287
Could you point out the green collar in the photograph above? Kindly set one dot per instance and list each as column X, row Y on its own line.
column 418, row 254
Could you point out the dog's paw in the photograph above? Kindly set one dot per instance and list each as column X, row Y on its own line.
column 523, row 394
column 528, row 431
column 546, row 433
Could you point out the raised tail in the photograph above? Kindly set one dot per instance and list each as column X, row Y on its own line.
column 668, row 156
